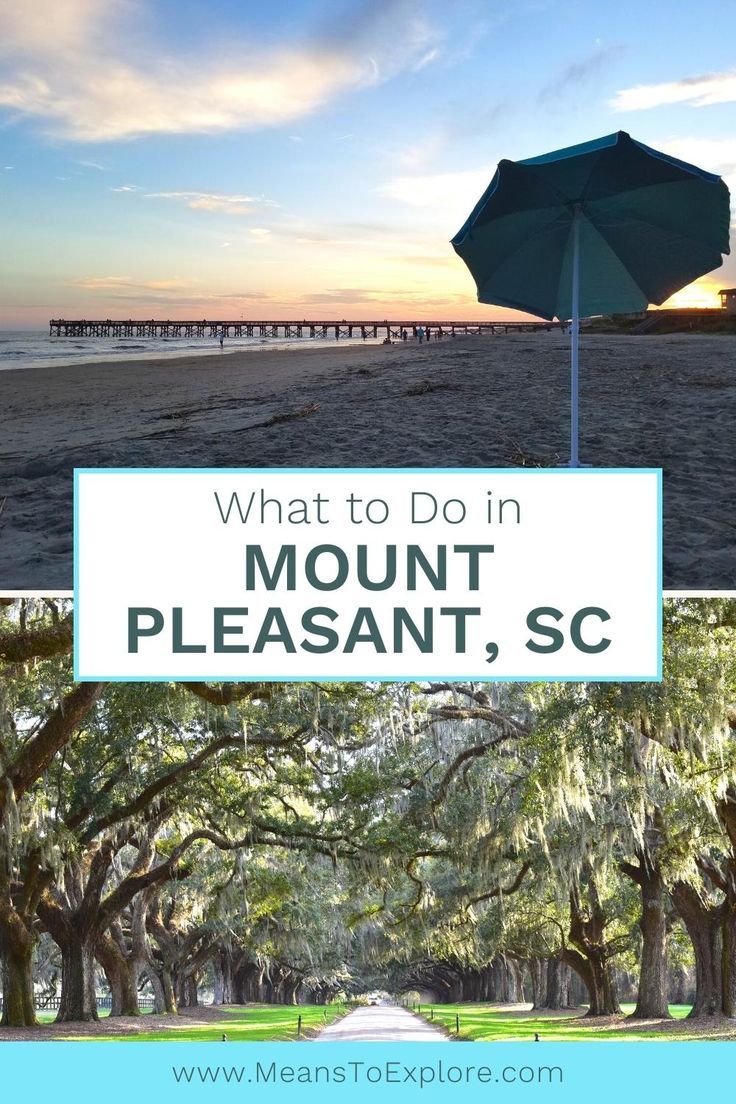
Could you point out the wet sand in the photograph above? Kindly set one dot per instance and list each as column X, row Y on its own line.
column 497, row 401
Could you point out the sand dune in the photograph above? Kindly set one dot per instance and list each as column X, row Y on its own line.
column 497, row 401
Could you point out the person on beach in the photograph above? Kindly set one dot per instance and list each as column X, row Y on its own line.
column 222, row 338
column 404, row 334
column 420, row 334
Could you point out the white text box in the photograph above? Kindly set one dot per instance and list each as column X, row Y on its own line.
column 379, row 574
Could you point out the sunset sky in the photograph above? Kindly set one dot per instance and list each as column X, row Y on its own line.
column 175, row 158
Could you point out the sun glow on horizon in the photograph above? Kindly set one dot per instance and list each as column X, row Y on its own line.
column 703, row 295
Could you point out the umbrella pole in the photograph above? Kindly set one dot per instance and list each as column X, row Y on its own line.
column 574, row 331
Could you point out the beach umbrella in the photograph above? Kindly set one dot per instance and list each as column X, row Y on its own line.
column 605, row 227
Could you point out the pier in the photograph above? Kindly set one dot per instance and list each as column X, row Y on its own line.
column 108, row 327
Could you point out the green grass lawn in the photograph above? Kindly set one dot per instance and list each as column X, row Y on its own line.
column 478, row 1022
column 482, row 1022
column 250, row 1024
column 103, row 1013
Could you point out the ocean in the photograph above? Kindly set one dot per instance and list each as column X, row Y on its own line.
column 34, row 348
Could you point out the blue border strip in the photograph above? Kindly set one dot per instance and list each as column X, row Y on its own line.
column 369, row 471
column 603, row 1071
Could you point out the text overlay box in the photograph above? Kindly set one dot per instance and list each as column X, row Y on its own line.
column 379, row 574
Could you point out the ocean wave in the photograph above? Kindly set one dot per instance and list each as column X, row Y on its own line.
column 29, row 349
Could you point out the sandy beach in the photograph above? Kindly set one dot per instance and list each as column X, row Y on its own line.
column 495, row 401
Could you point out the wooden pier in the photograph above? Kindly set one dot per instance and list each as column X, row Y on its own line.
column 108, row 327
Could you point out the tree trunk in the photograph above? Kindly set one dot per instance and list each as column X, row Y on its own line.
column 727, row 813
column 224, row 966
column 679, row 986
column 292, row 985
column 219, row 980
column 497, row 980
column 652, row 1001
column 78, row 1000
column 538, row 977
column 169, row 991
column 192, row 987
column 728, row 957
column 555, row 984
column 159, row 994
column 608, row 1004
column 121, row 977
column 573, row 989
column 17, row 940
column 17, row 976
column 595, row 972
column 704, row 927
column 514, row 981
column 591, row 960
column 188, row 993
column 599, row 981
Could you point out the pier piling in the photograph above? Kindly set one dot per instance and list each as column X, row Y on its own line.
column 137, row 328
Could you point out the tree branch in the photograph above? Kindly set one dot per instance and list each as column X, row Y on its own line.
column 37, row 643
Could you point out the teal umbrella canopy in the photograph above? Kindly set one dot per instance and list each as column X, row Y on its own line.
column 643, row 225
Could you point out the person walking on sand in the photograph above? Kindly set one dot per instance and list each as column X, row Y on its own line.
column 420, row 334
column 222, row 338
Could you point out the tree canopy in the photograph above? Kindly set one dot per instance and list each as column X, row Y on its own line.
column 278, row 842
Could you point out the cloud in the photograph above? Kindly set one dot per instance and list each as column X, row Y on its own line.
column 426, row 59
column 714, row 154
column 126, row 188
column 116, row 283
column 204, row 300
column 399, row 297
column 92, row 73
column 172, row 293
column 344, row 295
column 443, row 192
column 434, row 260
column 580, row 71
column 214, row 201
column 97, row 283
column 711, row 88
column 376, row 241
column 358, row 297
